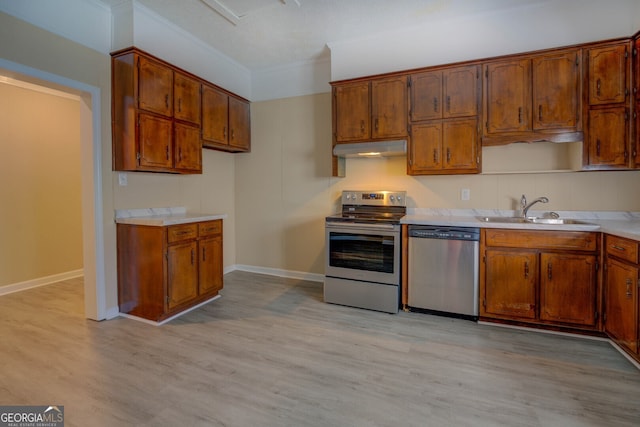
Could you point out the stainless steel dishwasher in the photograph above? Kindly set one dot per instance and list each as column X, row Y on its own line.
column 443, row 270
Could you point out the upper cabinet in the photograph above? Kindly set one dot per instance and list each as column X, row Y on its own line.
column 533, row 98
column 635, row 140
column 444, row 137
column 160, row 116
column 370, row 110
column 444, row 93
column 226, row 123
column 608, row 140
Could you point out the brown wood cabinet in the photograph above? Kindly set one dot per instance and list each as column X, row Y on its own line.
column 534, row 97
column 635, row 139
column 608, row 142
column 443, row 94
column 369, row 110
column 153, row 104
column 621, row 285
column 444, row 147
column 163, row 270
column 540, row 277
column 444, row 134
column 226, row 122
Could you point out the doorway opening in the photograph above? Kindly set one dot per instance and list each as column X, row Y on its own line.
column 91, row 181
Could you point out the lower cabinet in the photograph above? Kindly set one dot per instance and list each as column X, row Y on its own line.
column 163, row 270
column 621, row 283
column 540, row 277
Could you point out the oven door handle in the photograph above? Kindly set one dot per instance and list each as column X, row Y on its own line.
column 333, row 225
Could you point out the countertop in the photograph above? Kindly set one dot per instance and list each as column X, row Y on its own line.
column 160, row 217
column 623, row 224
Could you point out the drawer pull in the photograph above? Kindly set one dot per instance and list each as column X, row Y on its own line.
column 618, row 248
column 182, row 233
column 628, row 283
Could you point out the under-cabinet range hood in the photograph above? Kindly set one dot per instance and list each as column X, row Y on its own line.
column 371, row 149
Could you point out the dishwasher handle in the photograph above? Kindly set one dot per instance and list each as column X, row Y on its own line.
column 444, row 233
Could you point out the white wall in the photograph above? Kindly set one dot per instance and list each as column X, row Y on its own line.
column 548, row 24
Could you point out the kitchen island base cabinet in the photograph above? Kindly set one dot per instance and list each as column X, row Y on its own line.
column 164, row 270
column 542, row 278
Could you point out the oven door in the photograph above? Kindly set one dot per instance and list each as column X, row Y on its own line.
column 366, row 252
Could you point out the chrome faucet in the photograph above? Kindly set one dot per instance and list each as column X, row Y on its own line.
column 526, row 206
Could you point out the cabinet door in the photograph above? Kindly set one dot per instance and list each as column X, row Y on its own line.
column 510, row 284
column 635, row 144
column 460, row 144
column 426, row 147
column 188, row 148
column 621, row 303
column 426, row 96
column 607, row 137
column 460, row 92
column 186, row 98
column 155, row 142
column 211, row 268
column 155, row 87
column 389, row 107
column 608, row 74
column 182, row 274
column 568, row 288
column 556, row 91
column 508, row 96
column 239, row 124
column 352, row 112
column 215, row 115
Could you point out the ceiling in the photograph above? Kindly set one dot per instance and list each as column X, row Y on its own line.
column 262, row 34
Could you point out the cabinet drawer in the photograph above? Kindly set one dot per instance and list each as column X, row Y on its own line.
column 571, row 240
column 177, row 233
column 622, row 248
column 209, row 228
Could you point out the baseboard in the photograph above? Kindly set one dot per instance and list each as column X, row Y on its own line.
column 312, row 277
column 41, row 281
column 168, row 319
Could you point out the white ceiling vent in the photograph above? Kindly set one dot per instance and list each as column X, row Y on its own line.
column 234, row 10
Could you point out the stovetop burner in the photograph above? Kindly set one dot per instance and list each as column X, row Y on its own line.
column 371, row 207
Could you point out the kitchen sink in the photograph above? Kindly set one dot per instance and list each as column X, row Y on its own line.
column 533, row 220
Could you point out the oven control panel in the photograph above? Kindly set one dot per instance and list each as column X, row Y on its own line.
column 374, row 198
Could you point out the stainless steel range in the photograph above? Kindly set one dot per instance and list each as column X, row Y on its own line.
column 363, row 251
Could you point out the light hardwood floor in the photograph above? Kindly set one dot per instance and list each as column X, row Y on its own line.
column 271, row 353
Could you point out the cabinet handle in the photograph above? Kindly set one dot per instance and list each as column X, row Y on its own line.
column 598, row 147
column 448, row 103
column 628, row 283
column 520, row 115
column 179, row 105
column 204, row 254
column 526, row 269
column 435, row 105
column 224, row 132
column 166, row 100
column 435, row 155
column 167, row 151
column 362, row 126
column 549, row 271
column 191, row 256
column 448, row 155
column 618, row 248
column 598, row 85
column 376, row 124
column 233, row 133
column 539, row 112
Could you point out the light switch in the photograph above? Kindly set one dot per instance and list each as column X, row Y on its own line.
column 465, row 194
column 122, row 179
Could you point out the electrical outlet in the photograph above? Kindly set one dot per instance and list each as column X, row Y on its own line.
column 465, row 194
column 122, row 179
